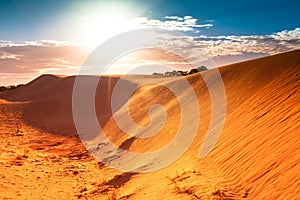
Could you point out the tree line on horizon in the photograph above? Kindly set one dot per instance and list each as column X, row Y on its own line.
column 181, row 73
column 10, row 87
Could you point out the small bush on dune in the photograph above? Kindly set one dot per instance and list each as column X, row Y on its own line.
column 181, row 73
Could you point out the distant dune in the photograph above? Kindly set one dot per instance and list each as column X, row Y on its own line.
column 256, row 157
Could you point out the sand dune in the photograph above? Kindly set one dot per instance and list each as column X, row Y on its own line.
column 256, row 157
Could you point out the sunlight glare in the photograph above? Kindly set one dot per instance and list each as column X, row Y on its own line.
column 100, row 26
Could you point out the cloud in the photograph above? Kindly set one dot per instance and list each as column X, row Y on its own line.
column 287, row 35
column 61, row 57
column 38, row 56
column 233, row 48
column 174, row 18
column 174, row 23
column 6, row 43
column 232, row 45
column 271, row 44
column 187, row 17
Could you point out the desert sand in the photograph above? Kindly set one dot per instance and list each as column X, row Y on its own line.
column 256, row 157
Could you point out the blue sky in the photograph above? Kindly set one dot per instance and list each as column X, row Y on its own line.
column 236, row 17
column 25, row 19
column 46, row 36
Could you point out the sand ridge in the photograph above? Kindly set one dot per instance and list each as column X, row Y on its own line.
column 257, row 156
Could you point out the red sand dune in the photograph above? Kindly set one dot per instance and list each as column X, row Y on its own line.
column 256, row 157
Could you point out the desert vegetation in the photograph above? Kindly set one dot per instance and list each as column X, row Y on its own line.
column 10, row 87
column 181, row 73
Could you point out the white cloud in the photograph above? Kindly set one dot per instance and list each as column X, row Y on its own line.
column 202, row 47
column 174, row 18
column 174, row 23
column 287, row 35
column 188, row 17
column 286, row 40
column 4, row 43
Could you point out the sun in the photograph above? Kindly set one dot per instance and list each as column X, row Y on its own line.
column 97, row 27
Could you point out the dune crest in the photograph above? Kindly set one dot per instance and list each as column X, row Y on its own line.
column 256, row 157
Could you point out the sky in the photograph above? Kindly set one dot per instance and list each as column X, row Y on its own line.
column 49, row 36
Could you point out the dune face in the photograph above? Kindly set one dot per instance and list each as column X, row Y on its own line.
column 256, row 157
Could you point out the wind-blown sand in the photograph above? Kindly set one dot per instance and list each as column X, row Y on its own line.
column 256, row 157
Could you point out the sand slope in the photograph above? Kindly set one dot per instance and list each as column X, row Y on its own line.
column 256, row 157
